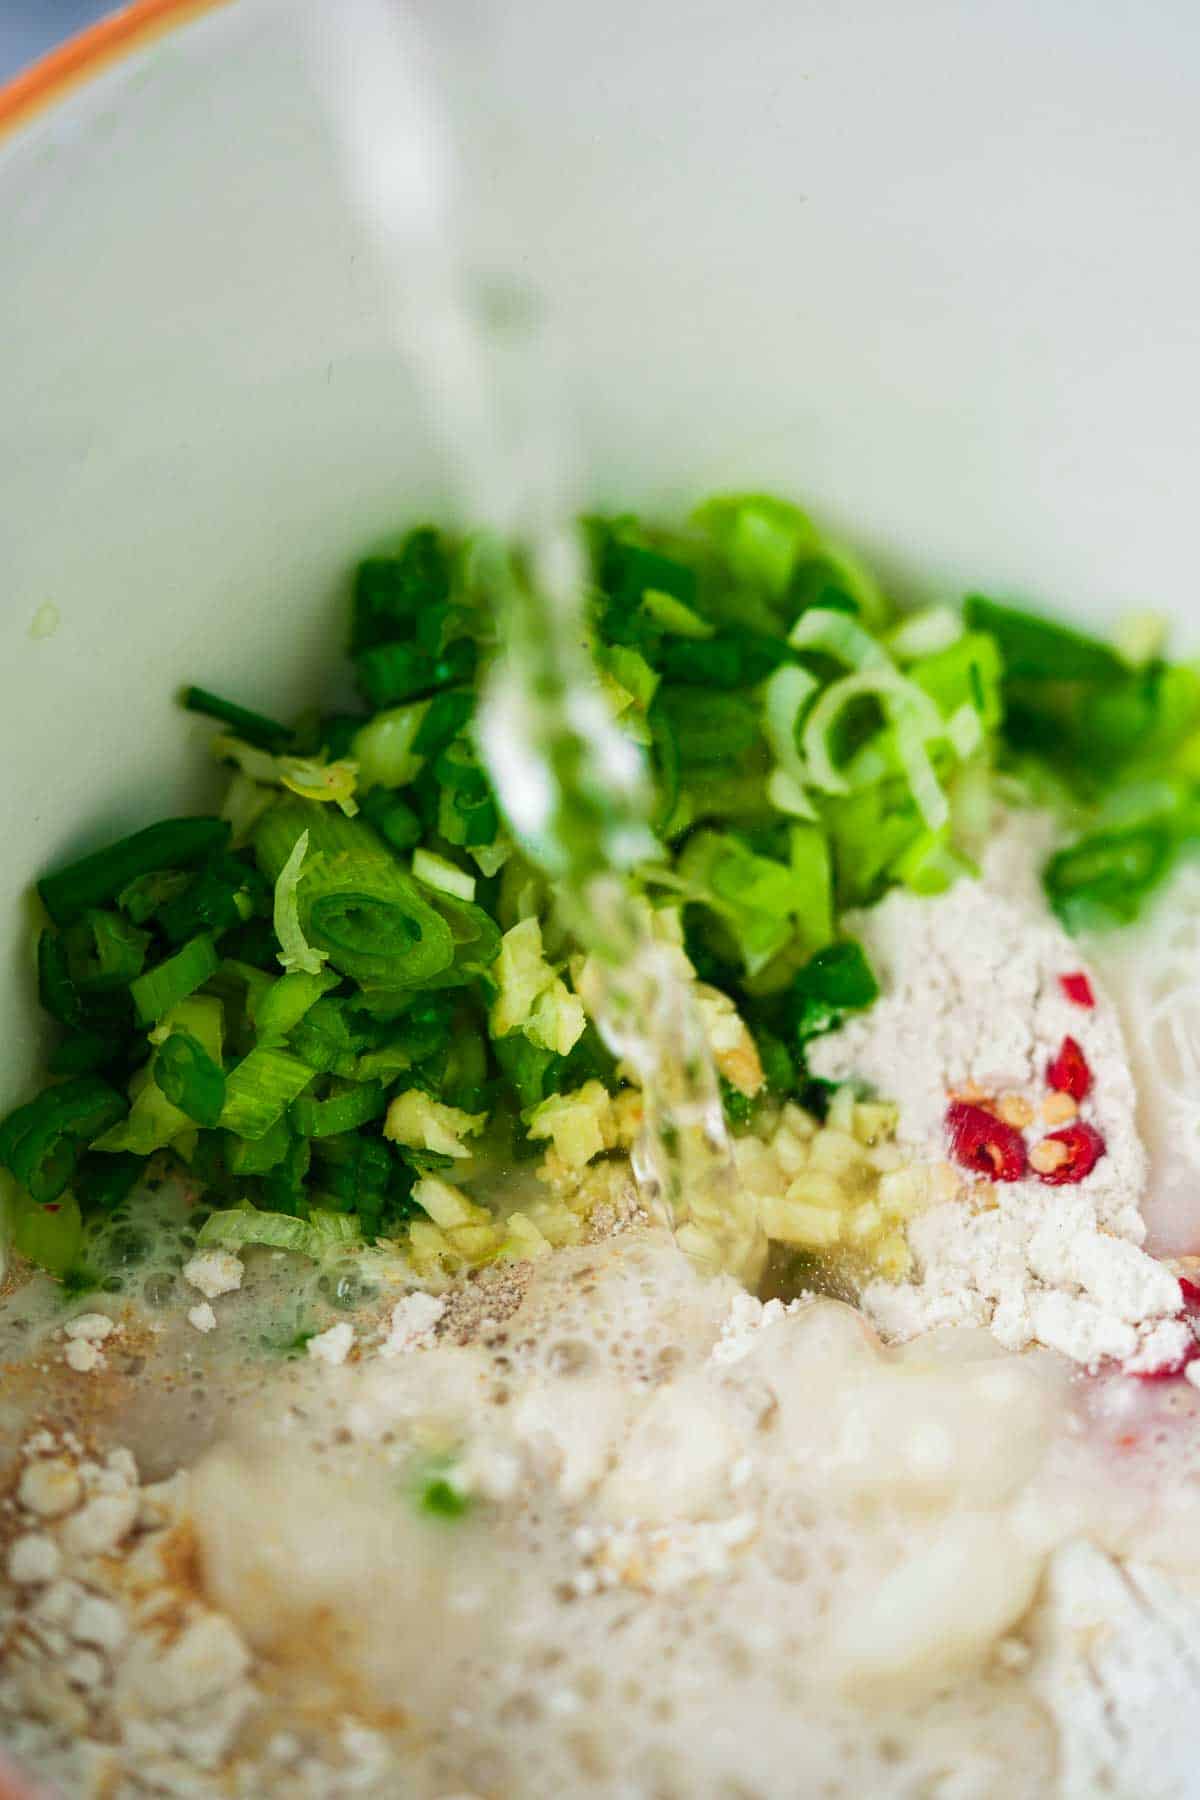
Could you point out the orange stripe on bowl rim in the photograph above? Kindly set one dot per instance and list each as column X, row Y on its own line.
column 91, row 50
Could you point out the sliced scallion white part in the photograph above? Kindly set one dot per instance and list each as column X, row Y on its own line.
column 437, row 872
column 964, row 728
column 297, row 955
column 840, row 635
column 785, row 693
column 787, row 796
column 919, row 772
column 307, row 776
column 926, row 632
column 900, row 698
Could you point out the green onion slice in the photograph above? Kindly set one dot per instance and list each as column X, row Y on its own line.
column 839, row 635
column 169, row 982
column 189, row 1078
column 265, row 733
column 175, row 843
column 260, row 1089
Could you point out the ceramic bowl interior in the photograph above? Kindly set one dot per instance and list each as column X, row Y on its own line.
column 933, row 267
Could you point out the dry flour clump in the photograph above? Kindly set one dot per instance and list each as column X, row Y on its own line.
column 973, row 1005
column 117, row 1676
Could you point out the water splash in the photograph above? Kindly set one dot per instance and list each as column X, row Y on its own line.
column 574, row 788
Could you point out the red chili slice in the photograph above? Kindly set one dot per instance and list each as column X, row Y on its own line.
column 1078, row 988
column 984, row 1143
column 1068, row 1072
column 1084, row 1147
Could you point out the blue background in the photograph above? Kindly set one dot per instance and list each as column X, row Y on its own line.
column 28, row 28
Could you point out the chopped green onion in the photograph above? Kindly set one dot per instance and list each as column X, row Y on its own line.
column 397, row 823
column 358, row 905
column 666, row 762
column 146, row 895
column 260, row 1089
column 1106, row 876
column 324, row 1041
column 162, row 987
column 243, row 1226
column 254, row 1156
column 755, row 897
column 83, row 1053
column 437, row 872
column 56, row 989
column 296, row 955
column 40, row 1142
column 118, row 951
column 189, row 1078
column 385, row 746
column 310, row 777
column 244, row 804
column 966, row 673
column 440, row 1498
column 442, row 719
column 474, row 935
column 313, row 779
column 279, row 1007
column 391, row 592
column 926, row 789
column 786, row 693
column 838, row 635
column 392, row 673
column 833, row 982
column 267, row 734
column 931, row 864
column 152, row 1122
column 175, row 843
column 900, row 697
column 761, row 538
column 925, row 633
column 734, row 658
column 674, row 615
column 964, row 728
column 627, row 677
column 358, row 1105
column 333, row 1230
column 1037, row 649
column 813, row 873
column 708, row 727
column 221, row 896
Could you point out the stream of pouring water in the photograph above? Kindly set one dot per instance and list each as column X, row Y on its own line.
column 573, row 787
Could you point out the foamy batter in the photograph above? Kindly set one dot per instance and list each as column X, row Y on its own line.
column 592, row 1525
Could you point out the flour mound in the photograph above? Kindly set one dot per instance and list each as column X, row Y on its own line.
column 972, row 999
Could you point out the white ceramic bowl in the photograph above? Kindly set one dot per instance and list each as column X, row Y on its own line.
column 933, row 266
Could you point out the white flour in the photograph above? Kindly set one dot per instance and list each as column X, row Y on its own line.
column 972, row 999
column 1117, row 1666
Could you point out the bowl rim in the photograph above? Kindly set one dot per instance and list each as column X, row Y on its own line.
column 88, row 52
